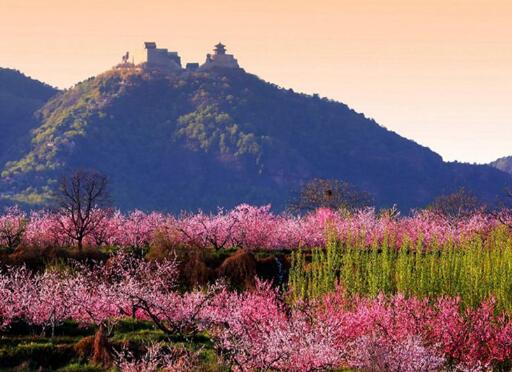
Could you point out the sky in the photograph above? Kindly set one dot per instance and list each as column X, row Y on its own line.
column 435, row 71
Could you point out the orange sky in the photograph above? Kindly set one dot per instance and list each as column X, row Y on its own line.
column 436, row 71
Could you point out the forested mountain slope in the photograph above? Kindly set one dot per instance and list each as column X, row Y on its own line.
column 202, row 140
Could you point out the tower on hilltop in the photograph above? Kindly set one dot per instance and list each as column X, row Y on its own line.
column 220, row 49
column 161, row 59
column 220, row 59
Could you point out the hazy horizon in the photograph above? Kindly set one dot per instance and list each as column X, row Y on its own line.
column 439, row 73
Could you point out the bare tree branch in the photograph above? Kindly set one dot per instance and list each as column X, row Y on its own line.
column 80, row 200
column 333, row 194
column 458, row 205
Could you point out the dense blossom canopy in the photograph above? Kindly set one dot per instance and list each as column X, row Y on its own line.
column 260, row 330
column 248, row 227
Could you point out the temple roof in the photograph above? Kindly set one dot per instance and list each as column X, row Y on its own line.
column 220, row 48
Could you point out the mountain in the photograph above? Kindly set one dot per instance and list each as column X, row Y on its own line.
column 188, row 140
column 504, row 164
column 20, row 97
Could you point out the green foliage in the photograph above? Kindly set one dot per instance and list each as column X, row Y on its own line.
column 21, row 349
column 475, row 269
column 20, row 97
column 36, row 354
column 31, row 196
column 211, row 130
column 78, row 367
column 204, row 140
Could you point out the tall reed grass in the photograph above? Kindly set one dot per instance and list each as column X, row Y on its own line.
column 475, row 269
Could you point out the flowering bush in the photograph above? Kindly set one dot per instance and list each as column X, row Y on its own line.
column 261, row 329
column 249, row 227
column 419, row 293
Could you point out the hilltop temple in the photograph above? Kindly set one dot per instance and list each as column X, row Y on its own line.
column 220, row 59
column 157, row 58
column 163, row 60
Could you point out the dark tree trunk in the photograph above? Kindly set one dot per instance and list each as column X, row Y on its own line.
column 79, row 247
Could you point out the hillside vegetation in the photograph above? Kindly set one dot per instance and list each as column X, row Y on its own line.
column 20, row 97
column 203, row 140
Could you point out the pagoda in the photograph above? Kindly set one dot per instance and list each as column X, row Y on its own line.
column 220, row 49
column 220, row 59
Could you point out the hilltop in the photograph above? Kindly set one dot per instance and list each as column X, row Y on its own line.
column 202, row 139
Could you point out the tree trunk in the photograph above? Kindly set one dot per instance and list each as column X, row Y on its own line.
column 101, row 348
column 80, row 246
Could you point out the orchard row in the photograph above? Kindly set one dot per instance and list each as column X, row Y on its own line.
column 245, row 226
column 262, row 328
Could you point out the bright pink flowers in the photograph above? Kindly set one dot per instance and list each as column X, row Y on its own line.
column 245, row 226
column 261, row 332
column 263, row 328
column 260, row 329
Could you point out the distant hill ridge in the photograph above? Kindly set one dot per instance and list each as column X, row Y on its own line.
column 18, row 84
column 20, row 97
column 202, row 139
column 504, row 164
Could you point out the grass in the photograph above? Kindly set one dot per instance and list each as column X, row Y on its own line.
column 23, row 350
column 81, row 367
column 475, row 269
